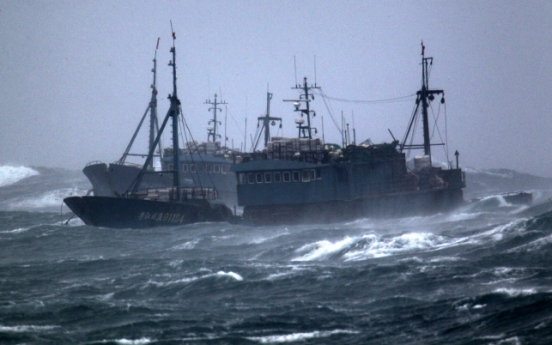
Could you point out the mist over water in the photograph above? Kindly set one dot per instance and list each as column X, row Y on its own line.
column 480, row 275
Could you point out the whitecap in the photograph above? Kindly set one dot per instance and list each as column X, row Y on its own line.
column 294, row 337
column 10, row 174
column 172, row 282
column 176, row 263
column 277, row 276
column 106, row 297
column 192, row 279
column 26, row 328
column 47, row 199
column 230, row 274
column 510, row 341
column 404, row 243
column 323, row 249
column 463, row 307
column 140, row 341
column 492, row 337
column 511, row 292
column 371, row 246
column 186, row 246
column 458, row 217
column 14, row 231
column 446, row 259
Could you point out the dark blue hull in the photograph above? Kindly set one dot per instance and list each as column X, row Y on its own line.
column 382, row 206
column 137, row 213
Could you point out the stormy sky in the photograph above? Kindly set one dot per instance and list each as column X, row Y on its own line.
column 75, row 75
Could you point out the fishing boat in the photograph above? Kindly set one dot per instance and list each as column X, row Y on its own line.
column 116, row 178
column 206, row 164
column 302, row 179
column 142, row 208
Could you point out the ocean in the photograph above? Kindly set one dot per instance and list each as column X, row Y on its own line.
column 479, row 275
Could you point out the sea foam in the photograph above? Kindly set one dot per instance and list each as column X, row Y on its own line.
column 294, row 337
column 10, row 174
column 47, row 199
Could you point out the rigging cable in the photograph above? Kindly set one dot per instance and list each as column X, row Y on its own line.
column 416, row 120
column 446, row 137
column 378, row 101
column 237, row 126
column 437, row 127
column 330, row 111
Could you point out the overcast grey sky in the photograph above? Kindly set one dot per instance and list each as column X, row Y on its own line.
column 75, row 75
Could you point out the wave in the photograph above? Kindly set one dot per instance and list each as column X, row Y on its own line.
column 372, row 245
column 26, row 328
column 219, row 274
column 124, row 341
column 511, row 292
column 133, row 342
column 14, row 231
column 38, row 188
column 45, row 200
column 295, row 337
column 11, row 174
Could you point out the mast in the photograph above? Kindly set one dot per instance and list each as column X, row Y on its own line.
column 266, row 122
column 154, row 124
column 424, row 96
column 305, row 131
column 173, row 112
column 212, row 131
column 267, row 118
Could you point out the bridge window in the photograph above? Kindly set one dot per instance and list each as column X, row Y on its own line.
column 296, row 176
column 241, row 178
column 208, row 168
column 268, row 177
column 306, row 175
column 287, row 176
column 185, row 167
column 250, row 178
column 277, row 177
column 192, row 168
column 216, row 168
column 313, row 174
column 259, row 177
column 224, row 168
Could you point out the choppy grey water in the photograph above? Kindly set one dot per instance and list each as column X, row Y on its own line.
column 480, row 275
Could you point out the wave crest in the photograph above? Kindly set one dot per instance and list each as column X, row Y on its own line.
column 10, row 174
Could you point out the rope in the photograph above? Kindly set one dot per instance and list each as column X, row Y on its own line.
column 330, row 111
column 445, row 149
column 378, row 101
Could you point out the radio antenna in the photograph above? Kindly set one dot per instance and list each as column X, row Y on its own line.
column 295, row 67
column 173, row 34
column 315, row 70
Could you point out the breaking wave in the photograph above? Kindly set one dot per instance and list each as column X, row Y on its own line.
column 10, row 174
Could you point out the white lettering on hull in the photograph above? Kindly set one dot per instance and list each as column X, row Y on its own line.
column 174, row 218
